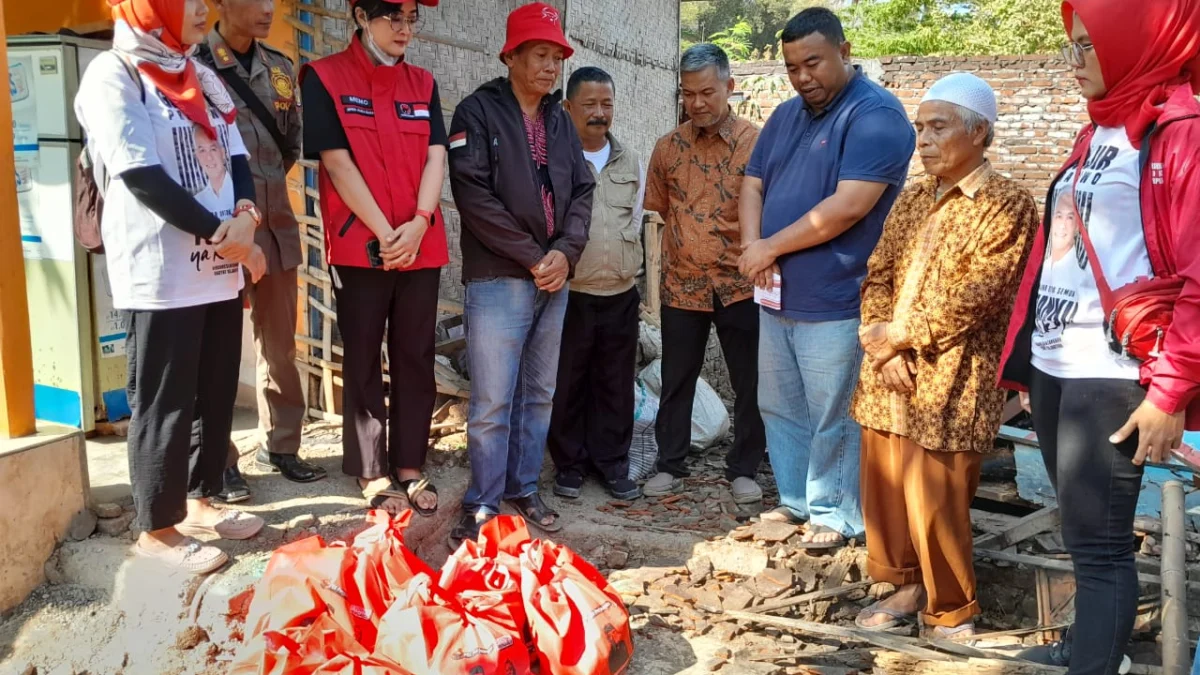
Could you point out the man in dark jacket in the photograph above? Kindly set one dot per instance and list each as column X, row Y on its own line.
column 525, row 197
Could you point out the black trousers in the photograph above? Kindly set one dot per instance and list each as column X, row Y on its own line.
column 1098, row 487
column 685, row 338
column 182, row 384
column 402, row 306
column 591, row 426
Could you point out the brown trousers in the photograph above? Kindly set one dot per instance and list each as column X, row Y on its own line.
column 917, row 508
column 281, row 406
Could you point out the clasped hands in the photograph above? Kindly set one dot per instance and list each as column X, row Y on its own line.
column 895, row 370
column 234, row 241
column 400, row 247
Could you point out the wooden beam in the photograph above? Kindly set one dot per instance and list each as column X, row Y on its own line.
column 1063, row 566
column 823, row 594
column 16, row 352
column 1029, row 526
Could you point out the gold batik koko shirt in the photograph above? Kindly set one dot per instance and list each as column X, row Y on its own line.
column 944, row 277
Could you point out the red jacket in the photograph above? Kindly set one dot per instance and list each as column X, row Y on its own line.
column 385, row 113
column 1170, row 195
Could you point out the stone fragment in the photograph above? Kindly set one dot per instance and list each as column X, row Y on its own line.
column 754, row 668
column 83, row 524
column 700, row 570
column 734, row 559
column 773, row 531
column 709, row 602
column 115, row 527
column 617, row 559
column 677, row 596
column 713, row 665
column 302, row 522
column 772, row 583
column 190, row 638
column 108, row 510
column 723, row 653
column 620, row 504
column 725, row 632
column 741, row 534
column 659, row 621
column 736, row 598
column 629, row 586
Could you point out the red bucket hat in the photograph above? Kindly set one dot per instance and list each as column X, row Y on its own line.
column 536, row 21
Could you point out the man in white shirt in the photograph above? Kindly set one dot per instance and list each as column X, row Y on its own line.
column 591, row 427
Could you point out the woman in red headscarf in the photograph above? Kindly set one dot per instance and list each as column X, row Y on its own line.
column 1103, row 405
column 178, row 228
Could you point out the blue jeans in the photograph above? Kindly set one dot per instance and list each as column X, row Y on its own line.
column 1196, row 664
column 513, row 336
column 807, row 372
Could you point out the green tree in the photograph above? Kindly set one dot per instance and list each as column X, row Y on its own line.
column 931, row 27
column 735, row 41
column 701, row 19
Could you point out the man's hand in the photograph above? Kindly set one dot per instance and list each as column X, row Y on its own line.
column 399, row 250
column 766, row 278
column 898, row 374
column 1158, row 433
column 234, row 238
column 1023, row 396
column 550, row 274
column 256, row 263
column 755, row 259
column 874, row 339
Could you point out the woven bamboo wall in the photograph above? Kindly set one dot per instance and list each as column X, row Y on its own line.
column 634, row 40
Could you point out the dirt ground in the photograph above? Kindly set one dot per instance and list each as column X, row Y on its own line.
column 681, row 564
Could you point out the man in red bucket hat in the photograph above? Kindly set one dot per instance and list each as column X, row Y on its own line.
column 524, row 193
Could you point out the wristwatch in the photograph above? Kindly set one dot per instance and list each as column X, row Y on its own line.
column 427, row 214
column 251, row 209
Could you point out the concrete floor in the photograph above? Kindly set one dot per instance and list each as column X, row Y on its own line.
column 108, row 459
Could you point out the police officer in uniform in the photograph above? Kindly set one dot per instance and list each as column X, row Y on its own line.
column 271, row 129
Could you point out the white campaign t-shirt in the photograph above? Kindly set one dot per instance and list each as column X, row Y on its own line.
column 154, row 265
column 1068, row 335
column 599, row 159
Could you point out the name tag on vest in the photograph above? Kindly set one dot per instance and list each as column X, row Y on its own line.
column 356, row 105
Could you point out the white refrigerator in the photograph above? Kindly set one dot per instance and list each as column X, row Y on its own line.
column 78, row 341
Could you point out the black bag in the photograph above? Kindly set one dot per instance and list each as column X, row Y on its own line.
column 89, row 198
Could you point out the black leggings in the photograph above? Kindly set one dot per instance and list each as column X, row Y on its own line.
column 1098, row 486
column 182, row 385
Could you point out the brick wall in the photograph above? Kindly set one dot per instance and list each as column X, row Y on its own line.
column 1040, row 107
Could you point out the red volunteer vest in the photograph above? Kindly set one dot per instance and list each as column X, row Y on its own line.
column 385, row 113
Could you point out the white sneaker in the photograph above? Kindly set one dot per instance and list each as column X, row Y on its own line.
column 662, row 485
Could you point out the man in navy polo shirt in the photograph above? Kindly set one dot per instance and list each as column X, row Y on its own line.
column 824, row 175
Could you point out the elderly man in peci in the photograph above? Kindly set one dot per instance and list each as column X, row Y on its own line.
column 524, row 191
column 939, row 287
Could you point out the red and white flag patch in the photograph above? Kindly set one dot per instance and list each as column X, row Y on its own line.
column 420, row 110
column 458, row 140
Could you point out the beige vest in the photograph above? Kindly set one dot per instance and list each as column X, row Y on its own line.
column 613, row 254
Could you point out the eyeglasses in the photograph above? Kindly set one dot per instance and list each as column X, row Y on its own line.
column 1075, row 54
column 400, row 21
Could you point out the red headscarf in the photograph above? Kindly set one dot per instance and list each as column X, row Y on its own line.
column 1146, row 50
column 156, row 46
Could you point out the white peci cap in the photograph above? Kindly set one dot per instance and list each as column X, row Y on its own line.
column 966, row 90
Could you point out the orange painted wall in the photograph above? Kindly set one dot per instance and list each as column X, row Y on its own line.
column 47, row 16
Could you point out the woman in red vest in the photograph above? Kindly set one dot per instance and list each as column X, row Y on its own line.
column 375, row 122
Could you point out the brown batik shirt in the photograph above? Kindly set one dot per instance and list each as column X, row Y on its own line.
column 694, row 179
column 944, row 277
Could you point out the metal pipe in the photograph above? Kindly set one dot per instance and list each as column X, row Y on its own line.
column 1176, row 658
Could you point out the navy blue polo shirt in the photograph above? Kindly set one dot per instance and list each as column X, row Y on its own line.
column 863, row 135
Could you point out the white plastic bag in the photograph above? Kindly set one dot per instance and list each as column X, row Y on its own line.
column 710, row 419
column 643, row 452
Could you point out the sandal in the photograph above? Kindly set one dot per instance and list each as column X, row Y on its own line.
column 468, row 527
column 817, row 530
column 956, row 633
column 782, row 514
column 376, row 495
column 898, row 618
column 416, row 487
column 535, row 512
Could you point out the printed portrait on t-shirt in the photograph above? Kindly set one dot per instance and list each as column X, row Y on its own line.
column 1064, row 229
column 212, row 158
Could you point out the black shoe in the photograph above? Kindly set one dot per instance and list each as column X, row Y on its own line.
column 623, row 489
column 568, row 485
column 468, row 526
column 1053, row 654
column 292, row 467
column 235, row 489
